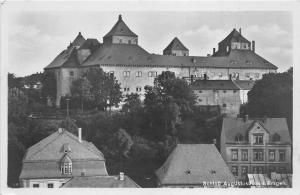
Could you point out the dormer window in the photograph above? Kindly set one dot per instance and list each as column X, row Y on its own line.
column 276, row 137
column 258, row 138
column 239, row 137
column 66, row 148
column 66, row 165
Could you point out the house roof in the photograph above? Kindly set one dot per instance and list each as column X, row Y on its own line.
column 100, row 182
column 51, row 148
column 176, row 45
column 120, row 29
column 79, row 40
column 43, row 159
column 91, row 44
column 244, row 84
column 232, row 126
column 214, row 85
column 126, row 54
column 235, row 36
column 67, row 58
column 191, row 164
column 51, row 169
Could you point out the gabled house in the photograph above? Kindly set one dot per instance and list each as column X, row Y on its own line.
column 194, row 165
column 256, row 146
column 56, row 159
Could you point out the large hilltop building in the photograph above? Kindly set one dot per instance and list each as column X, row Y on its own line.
column 134, row 67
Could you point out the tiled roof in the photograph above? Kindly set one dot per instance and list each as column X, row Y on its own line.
column 100, row 182
column 192, row 164
column 91, row 44
column 244, row 84
column 235, row 36
column 120, row 29
column 214, row 85
column 43, row 159
column 126, row 54
column 79, row 40
column 51, row 169
column 176, row 45
column 67, row 58
column 232, row 126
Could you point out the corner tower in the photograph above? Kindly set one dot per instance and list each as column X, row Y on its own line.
column 120, row 34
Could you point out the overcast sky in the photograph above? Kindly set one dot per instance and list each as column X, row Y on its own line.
column 36, row 38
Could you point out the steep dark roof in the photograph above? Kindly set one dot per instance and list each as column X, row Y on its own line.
column 192, row 164
column 235, row 36
column 79, row 40
column 91, row 44
column 232, row 126
column 43, row 158
column 214, row 85
column 120, row 29
column 175, row 45
column 67, row 58
column 100, row 182
column 125, row 54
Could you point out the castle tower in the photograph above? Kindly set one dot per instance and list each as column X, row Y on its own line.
column 176, row 48
column 120, row 34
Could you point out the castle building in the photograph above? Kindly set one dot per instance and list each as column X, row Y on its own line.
column 58, row 158
column 134, row 67
column 256, row 146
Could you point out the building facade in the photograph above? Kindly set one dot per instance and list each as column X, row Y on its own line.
column 55, row 160
column 256, row 146
column 134, row 67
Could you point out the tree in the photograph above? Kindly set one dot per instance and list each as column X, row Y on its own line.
column 105, row 88
column 132, row 103
column 17, row 103
column 13, row 81
column 82, row 89
column 272, row 96
column 49, row 88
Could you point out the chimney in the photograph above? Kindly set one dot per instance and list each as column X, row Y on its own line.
column 121, row 177
column 79, row 135
column 240, row 30
column 253, row 46
column 230, row 77
column 214, row 50
column 205, row 77
column 120, row 17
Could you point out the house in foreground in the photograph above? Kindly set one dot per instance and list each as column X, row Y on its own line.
column 194, row 165
column 256, row 146
column 55, row 160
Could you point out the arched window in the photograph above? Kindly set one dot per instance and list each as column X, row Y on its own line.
column 239, row 137
column 276, row 137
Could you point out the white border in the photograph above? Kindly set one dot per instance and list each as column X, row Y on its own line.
column 14, row 6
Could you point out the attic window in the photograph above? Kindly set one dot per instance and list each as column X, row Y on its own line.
column 248, row 62
column 232, row 62
column 188, row 172
column 212, row 172
column 121, row 29
column 276, row 137
column 239, row 137
column 66, row 148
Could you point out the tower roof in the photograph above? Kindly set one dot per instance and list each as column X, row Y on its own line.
column 120, row 29
column 176, row 45
column 79, row 40
column 235, row 36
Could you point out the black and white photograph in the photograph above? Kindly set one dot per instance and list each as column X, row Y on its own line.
column 128, row 95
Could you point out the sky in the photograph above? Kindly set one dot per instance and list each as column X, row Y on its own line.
column 36, row 38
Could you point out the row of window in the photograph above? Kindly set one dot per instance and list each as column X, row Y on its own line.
column 256, row 170
column 137, row 89
column 217, row 91
column 66, row 168
column 258, row 155
column 258, row 138
column 49, row 185
column 139, row 74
